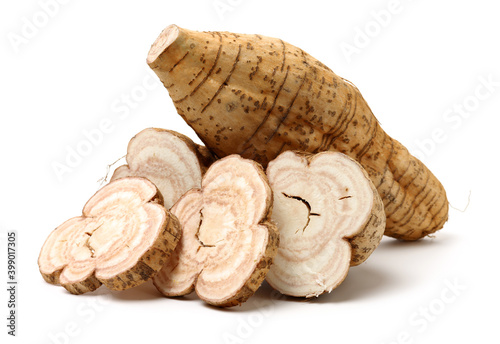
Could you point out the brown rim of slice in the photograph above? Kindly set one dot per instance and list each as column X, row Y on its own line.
column 173, row 162
column 227, row 243
column 122, row 239
column 330, row 217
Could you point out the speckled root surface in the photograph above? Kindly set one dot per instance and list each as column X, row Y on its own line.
column 329, row 216
column 228, row 243
column 259, row 96
column 122, row 239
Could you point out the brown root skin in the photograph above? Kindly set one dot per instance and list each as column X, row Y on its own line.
column 364, row 243
column 258, row 96
column 232, row 207
column 89, row 284
column 206, row 157
column 73, row 255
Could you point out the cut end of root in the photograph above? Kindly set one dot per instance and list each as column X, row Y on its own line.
column 166, row 37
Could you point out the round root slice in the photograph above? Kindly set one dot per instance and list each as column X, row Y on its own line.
column 122, row 239
column 329, row 216
column 227, row 243
column 173, row 162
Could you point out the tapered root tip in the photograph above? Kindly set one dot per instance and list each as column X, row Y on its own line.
column 166, row 37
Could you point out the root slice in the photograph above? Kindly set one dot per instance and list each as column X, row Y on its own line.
column 173, row 162
column 316, row 249
column 123, row 237
column 227, row 243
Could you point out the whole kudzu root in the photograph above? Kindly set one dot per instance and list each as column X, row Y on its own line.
column 172, row 161
column 122, row 239
column 258, row 96
column 329, row 216
column 227, row 243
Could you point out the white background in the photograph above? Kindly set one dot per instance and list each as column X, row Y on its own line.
column 77, row 65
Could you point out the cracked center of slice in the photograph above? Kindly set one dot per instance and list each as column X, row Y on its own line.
column 122, row 238
column 329, row 216
column 227, row 242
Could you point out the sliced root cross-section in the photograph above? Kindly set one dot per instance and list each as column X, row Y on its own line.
column 122, row 239
column 173, row 162
column 227, row 243
column 329, row 216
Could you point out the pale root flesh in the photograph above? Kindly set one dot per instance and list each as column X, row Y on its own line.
column 227, row 242
column 122, row 239
column 170, row 160
column 329, row 216
column 258, row 96
column 167, row 36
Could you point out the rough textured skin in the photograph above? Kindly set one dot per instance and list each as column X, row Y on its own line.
column 206, row 157
column 85, row 286
column 258, row 96
column 364, row 243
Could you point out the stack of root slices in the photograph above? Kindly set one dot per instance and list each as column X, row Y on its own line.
column 301, row 225
column 286, row 206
